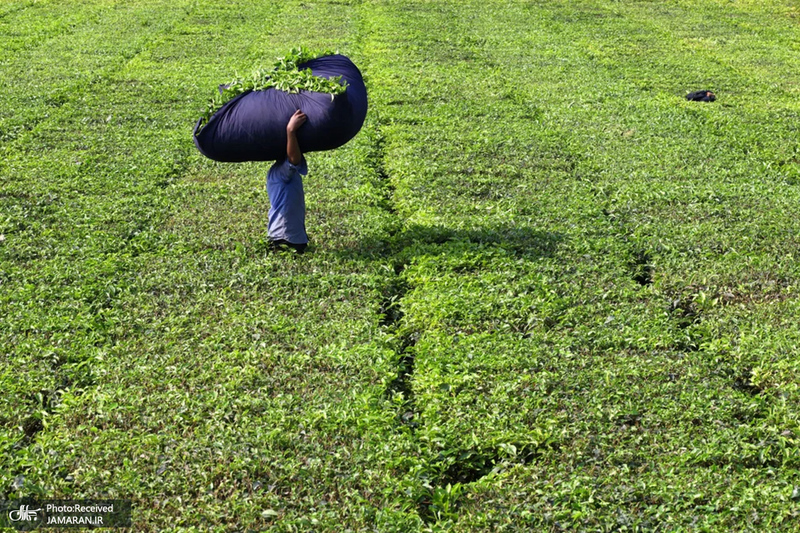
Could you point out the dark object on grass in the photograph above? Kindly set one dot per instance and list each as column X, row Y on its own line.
column 252, row 126
column 281, row 244
column 701, row 96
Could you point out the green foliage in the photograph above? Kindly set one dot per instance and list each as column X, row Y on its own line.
column 284, row 75
column 544, row 292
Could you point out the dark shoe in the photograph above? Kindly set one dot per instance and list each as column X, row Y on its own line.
column 283, row 244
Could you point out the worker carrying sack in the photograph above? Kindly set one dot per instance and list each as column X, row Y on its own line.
column 252, row 125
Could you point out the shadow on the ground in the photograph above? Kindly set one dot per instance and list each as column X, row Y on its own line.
column 522, row 241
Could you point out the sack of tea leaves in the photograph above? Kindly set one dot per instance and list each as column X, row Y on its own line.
column 247, row 121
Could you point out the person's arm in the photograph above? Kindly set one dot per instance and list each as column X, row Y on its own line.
column 293, row 152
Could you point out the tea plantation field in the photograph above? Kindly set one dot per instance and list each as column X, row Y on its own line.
column 544, row 291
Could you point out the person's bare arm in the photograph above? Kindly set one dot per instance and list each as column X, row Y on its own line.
column 292, row 146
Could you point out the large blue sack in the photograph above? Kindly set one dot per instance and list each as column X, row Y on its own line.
column 252, row 126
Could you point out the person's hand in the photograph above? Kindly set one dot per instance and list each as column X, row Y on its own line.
column 297, row 120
